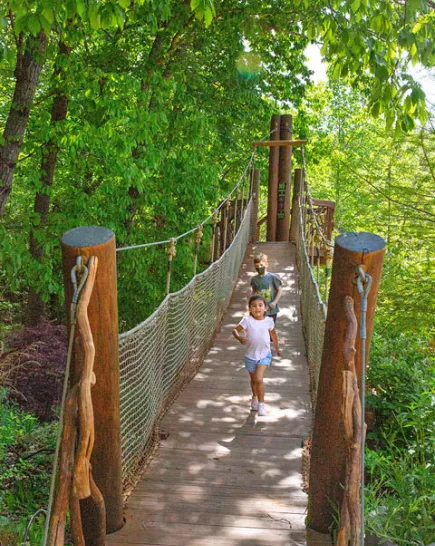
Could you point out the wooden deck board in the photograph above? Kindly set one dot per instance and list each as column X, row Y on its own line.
column 224, row 476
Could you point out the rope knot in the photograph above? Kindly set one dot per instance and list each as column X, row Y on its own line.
column 171, row 251
column 199, row 234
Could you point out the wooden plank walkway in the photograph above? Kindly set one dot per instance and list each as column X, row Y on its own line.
column 224, row 476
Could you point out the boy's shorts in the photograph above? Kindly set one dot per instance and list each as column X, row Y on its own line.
column 250, row 364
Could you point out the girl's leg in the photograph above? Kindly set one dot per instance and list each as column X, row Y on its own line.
column 253, row 385
column 257, row 379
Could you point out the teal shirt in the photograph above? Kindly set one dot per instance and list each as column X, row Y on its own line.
column 267, row 286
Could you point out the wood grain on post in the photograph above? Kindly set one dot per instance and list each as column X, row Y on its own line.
column 329, row 448
column 285, row 168
column 350, row 511
column 103, row 319
column 294, row 222
column 56, row 528
column 272, row 195
column 255, row 200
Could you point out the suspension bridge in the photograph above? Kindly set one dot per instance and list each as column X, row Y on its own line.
column 158, row 445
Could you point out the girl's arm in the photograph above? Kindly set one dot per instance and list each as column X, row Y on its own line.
column 275, row 341
column 241, row 339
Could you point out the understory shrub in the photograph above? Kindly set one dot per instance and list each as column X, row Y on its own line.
column 400, row 458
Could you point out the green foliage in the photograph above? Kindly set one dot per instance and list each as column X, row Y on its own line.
column 158, row 129
column 381, row 183
column 400, row 463
column 26, row 455
column 370, row 46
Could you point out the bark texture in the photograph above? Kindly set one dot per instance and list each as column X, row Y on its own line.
column 27, row 71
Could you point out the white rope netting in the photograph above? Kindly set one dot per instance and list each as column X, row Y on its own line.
column 313, row 308
column 161, row 354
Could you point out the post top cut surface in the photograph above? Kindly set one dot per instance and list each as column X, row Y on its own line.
column 87, row 236
column 360, row 242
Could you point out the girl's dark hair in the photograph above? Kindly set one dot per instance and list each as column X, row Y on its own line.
column 257, row 297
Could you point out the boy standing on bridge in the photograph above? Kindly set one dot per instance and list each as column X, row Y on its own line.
column 256, row 331
column 267, row 284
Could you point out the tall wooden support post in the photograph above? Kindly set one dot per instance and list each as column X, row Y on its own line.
column 103, row 318
column 255, row 200
column 285, row 169
column 294, row 224
column 272, row 195
column 329, row 447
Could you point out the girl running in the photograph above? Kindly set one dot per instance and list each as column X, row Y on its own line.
column 256, row 331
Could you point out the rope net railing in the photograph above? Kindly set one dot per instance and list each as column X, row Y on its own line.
column 161, row 354
column 310, row 240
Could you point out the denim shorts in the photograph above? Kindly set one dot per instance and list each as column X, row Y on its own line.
column 250, row 364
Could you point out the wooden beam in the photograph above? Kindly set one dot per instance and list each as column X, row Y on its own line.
column 279, row 143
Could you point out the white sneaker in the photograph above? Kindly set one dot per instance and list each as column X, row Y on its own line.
column 254, row 404
column 261, row 409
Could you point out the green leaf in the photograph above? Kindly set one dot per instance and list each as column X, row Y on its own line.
column 49, row 15
column 45, row 24
column 414, row 5
column 194, row 4
column 124, row 3
column 208, row 17
column 381, row 73
column 376, row 108
column 120, row 16
column 408, row 123
column 34, row 24
column 81, row 8
column 71, row 7
column 392, row 51
column 422, row 115
column 94, row 17
column 355, row 5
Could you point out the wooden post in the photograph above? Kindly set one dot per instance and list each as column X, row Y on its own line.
column 198, row 237
column 226, row 212
column 171, row 251
column 255, row 200
column 215, row 237
column 285, row 169
column 329, row 449
column 294, row 226
column 103, row 318
column 272, row 196
column 235, row 213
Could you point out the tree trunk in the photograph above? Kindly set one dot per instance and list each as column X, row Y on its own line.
column 28, row 68
column 35, row 305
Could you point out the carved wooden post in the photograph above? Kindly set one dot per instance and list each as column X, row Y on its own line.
column 328, row 455
column 103, row 318
column 272, row 195
column 285, row 169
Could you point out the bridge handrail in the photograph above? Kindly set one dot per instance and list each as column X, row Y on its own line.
column 159, row 355
column 313, row 306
